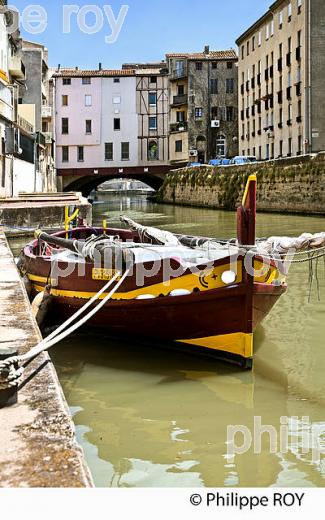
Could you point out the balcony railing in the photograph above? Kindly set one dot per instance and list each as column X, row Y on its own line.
column 180, row 100
column 46, row 112
column 25, row 125
column 16, row 67
column 178, row 127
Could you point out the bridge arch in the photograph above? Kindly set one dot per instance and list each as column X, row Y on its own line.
column 87, row 180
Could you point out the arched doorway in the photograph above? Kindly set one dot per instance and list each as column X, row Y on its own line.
column 201, row 146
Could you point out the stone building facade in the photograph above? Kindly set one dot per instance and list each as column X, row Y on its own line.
column 203, row 105
column 281, row 78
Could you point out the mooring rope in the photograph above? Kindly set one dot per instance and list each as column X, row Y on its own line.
column 11, row 377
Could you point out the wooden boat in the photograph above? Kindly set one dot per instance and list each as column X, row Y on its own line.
column 209, row 302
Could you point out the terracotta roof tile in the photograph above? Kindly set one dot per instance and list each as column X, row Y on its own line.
column 213, row 55
column 73, row 73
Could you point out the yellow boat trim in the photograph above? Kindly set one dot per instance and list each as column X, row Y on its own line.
column 239, row 343
column 41, row 279
column 211, row 279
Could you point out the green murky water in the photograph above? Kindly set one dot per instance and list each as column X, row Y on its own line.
column 150, row 417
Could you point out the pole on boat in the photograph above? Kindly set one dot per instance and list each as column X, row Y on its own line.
column 105, row 227
column 246, row 214
column 68, row 219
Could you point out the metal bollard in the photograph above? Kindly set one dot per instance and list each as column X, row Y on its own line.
column 8, row 396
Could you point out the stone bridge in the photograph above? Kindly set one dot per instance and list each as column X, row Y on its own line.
column 87, row 179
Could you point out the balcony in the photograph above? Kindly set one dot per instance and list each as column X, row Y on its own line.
column 179, row 100
column 17, row 68
column 178, row 127
column 25, row 125
column 48, row 137
column 179, row 73
column 46, row 112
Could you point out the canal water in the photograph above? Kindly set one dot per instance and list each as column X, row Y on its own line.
column 152, row 417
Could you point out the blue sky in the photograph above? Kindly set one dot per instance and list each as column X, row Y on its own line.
column 150, row 29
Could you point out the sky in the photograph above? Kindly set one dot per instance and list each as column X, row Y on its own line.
column 148, row 29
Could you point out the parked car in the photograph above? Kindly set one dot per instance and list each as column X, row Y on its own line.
column 219, row 162
column 194, row 165
column 243, row 159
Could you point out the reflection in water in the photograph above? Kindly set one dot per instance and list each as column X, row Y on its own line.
column 150, row 417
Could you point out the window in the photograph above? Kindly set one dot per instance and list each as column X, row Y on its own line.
column 280, row 19
column 281, row 148
column 253, row 43
column 290, row 146
column 230, row 113
column 178, row 146
column 198, row 113
column 117, row 100
column 181, row 90
column 153, row 99
column 242, row 52
column 289, row 11
column 81, row 154
column 65, row 125
column 214, row 86
column 230, row 85
column 153, row 151
column 88, row 101
column 299, row 39
column 116, row 80
column 229, row 64
column 88, row 126
column 153, row 79
column 65, row 101
column 214, row 112
column 152, row 123
column 125, row 151
column 267, row 32
column 108, row 151
column 221, row 146
column 214, row 65
column 65, row 153
column 66, row 81
column 199, row 65
column 247, row 52
column 86, row 81
column 117, row 123
column 180, row 116
column 260, row 38
column 272, row 28
column 299, row 5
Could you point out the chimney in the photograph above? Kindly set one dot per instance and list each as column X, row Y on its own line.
column 100, row 66
column 207, row 49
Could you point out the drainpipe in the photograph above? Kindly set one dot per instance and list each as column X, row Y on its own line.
column 308, row 104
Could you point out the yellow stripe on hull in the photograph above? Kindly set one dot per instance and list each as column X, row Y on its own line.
column 238, row 343
column 205, row 281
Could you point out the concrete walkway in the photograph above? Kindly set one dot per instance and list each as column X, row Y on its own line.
column 37, row 440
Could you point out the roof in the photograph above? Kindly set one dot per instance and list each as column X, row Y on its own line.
column 212, row 55
column 259, row 22
column 77, row 73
